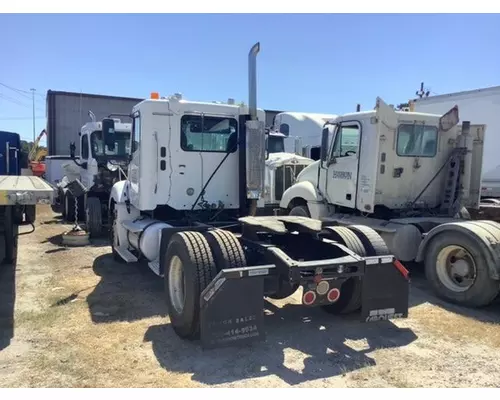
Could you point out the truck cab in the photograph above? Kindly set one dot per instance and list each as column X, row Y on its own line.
column 383, row 160
column 97, row 169
column 97, row 162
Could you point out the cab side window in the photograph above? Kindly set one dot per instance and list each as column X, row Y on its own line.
column 417, row 140
column 346, row 140
column 135, row 137
column 85, row 147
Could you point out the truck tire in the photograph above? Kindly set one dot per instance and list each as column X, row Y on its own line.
column 112, row 233
column 350, row 293
column 372, row 241
column 346, row 237
column 226, row 249
column 93, row 216
column 456, row 250
column 300, row 211
column 189, row 268
column 69, row 207
column 30, row 214
column 11, row 238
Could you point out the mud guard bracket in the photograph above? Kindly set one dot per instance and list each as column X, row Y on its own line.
column 232, row 307
column 386, row 287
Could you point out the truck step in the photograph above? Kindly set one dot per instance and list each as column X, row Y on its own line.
column 126, row 255
column 155, row 266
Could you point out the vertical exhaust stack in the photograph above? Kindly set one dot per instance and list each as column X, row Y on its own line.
column 254, row 144
column 466, row 141
column 252, row 80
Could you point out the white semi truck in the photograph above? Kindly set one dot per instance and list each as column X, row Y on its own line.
column 188, row 209
column 409, row 177
column 97, row 168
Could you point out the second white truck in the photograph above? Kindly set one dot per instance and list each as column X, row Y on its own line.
column 409, row 177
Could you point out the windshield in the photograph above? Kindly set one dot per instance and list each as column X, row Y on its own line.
column 275, row 144
column 122, row 144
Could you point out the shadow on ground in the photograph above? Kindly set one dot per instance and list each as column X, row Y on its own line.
column 7, row 303
column 291, row 330
column 126, row 292
column 421, row 292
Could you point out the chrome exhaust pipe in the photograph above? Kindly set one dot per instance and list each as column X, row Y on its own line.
column 252, row 80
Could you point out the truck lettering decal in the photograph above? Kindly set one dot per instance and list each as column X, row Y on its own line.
column 346, row 175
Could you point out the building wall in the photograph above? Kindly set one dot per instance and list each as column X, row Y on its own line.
column 68, row 112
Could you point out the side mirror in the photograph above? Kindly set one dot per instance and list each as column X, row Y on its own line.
column 108, row 133
column 324, row 145
column 72, row 149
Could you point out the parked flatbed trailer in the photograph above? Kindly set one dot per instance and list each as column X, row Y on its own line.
column 15, row 193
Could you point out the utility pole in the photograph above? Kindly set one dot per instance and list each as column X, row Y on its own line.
column 33, row 92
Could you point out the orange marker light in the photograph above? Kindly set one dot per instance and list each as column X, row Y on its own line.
column 155, row 95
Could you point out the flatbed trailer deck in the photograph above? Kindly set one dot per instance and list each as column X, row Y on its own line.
column 17, row 192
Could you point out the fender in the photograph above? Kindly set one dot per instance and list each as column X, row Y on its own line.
column 486, row 234
column 118, row 193
column 307, row 191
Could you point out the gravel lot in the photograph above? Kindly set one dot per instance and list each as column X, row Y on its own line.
column 82, row 320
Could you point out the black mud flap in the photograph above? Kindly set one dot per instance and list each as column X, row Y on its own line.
column 232, row 307
column 386, row 289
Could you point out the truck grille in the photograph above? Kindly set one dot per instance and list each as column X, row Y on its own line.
column 285, row 177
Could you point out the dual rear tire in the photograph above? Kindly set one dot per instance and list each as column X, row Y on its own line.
column 365, row 242
column 191, row 262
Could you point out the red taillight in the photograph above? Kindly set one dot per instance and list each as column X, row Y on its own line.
column 309, row 298
column 333, row 295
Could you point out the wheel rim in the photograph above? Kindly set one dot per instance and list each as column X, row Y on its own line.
column 456, row 268
column 177, row 284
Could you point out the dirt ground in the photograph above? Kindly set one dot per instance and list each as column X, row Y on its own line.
column 82, row 320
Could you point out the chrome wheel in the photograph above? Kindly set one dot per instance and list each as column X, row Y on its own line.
column 177, row 284
column 456, row 268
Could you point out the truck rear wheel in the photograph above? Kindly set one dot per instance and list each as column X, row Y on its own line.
column 350, row 292
column 93, row 216
column 226, row 249
column 189, row 268
column 372, row 241
column 11, row 238
column 365, row 242
column 458, row 272
column 30, row 214
column 69, row 207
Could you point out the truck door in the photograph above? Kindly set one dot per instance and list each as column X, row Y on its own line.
column 9, row 154
column 343, row 165
column 85, row 176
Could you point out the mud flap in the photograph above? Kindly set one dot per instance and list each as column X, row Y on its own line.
column 232, row 307
column 386, row 288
